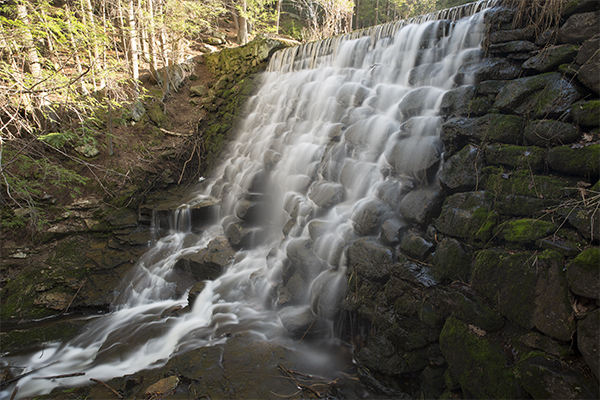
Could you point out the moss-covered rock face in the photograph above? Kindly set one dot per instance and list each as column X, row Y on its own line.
column 549, row 132
column 523, row 183
column 477, row 363
column 528, row 289
column 525, row 231
column 468, row 216
column 451, row 261
column 583, row 274
column 575, row 161
column 457, row 132
column 521, row 157
column 587, row 113
column 539, row 96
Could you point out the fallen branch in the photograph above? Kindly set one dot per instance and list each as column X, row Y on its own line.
column 16, row 378
column 108, row 387
column 289, row 374
column 174, row 133
column 60, row 376
column 76, row 293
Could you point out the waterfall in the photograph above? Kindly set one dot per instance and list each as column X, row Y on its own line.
column 338, row 131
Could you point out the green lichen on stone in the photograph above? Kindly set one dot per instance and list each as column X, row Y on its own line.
column 523, row 183
column 583, row 273
column 156, row 115
column 477, row 363
column 508, row 281
column 520, row 157
column 587, row 113
column 582, row 161
column 525, row 230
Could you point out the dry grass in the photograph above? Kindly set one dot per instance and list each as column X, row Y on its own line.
column 542, row 14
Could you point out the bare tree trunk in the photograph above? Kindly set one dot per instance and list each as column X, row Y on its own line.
column 75, row 50
column 356, row 13
column 152, row 42
column 278, row 7
column 164, row 51
column 134, row 45
column 243, row 23
column 33, row 60
column 376, row 13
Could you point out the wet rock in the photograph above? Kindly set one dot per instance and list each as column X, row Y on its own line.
column 326, row 194
column 477, row 363
column 415, row 156
column 316, row 229
column 530, row 291
column 492, row 87
column 487, row 69
column 525, row 231
column 541, row 96
column 579, row 27
column 300, row 321
column 583, row 274
column 524, row 183
column 559, row 245
column 194, row 292
column 549, row 132
column 579, row 6
column 551, row 57
column 589, row 73
column 417, row 100
column 271, row 158
column 392, row 191
column 457, row 132
column 370, row 259
column 588, row 339
column 540, row 342
column 462, row 171
column 301, row 255
column 586, row 113
column 327, row 293
column 356, row 176
column 240, row 235
column 294, row 288
column 503, row 36
column 416, row 246
column 249, row 211
column 162, row 388
column 393, row 230
column 551, row 379
column 456, row 102
column 575, row 161
column 451, row 261
column 517, row 157
column 587, row 222
column 368, row 215
column 516, row 46
column 468, row 216
column 422, row 205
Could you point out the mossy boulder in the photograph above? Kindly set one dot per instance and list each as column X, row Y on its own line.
column 583, row 273
column 588, row 339
column 461, row 172
column 551, row 57
column 548, row 378
column 525, row 231
column 451, row 261
column 580, row 161
column 549, row 132
column 468, row 216
column 477, row 362
column 416, row 246
column 521, row 206
column 586, row 113
column 370, row 259
column 523, row 183
column 531, row 158
column 529, row 289
column 457, row 132
column 538, row 96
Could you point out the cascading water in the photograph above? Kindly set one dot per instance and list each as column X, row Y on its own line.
column 338, row 131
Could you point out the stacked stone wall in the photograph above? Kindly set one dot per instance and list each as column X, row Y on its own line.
column 492, row 290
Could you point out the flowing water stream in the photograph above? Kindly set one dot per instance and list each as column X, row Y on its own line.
column 337, row 130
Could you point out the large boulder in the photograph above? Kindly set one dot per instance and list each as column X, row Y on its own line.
column 529, row 290
column 457, row 132
column 468, row 216
column 421, row 205
column 549, row 132
column 583, row 274
column 462, row 171
column 539, row 96
column 579, row 27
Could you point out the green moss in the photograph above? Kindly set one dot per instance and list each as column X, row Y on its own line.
column 523, row 183
column 531, row 158
column 477, row 363
column 576, row 161
column 156, row 115
column 525, row 230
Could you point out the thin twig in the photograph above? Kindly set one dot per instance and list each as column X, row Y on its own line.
column 311, row 324
column 108, row 387
column 76, row 293
column 16, row 378
column 60, row 376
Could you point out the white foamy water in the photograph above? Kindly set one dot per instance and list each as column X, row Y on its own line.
column 336, row 127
